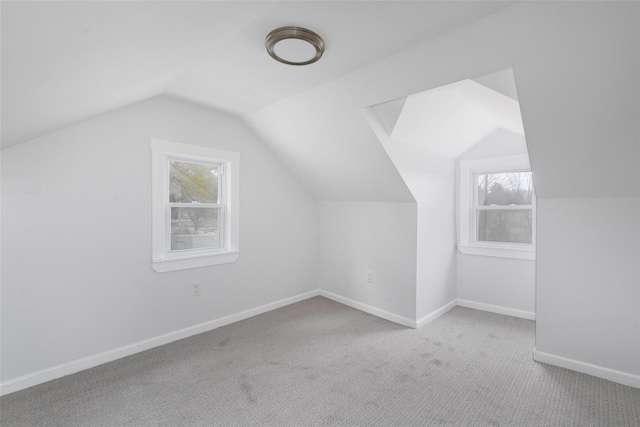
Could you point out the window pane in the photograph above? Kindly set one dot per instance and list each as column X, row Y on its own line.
column 193, row 182
column 193, row 228
column 508, row 225
column 509, row 188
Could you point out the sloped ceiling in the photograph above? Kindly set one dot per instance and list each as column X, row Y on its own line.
column 576, row 66
column 577, row 86
column 63, row 62
column 340, row 155
column 449, row 120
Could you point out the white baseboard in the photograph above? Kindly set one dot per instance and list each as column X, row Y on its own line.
column 497, row 309
column 434, row 315
column 587, row 368
column 370, row 309
column 54, row 372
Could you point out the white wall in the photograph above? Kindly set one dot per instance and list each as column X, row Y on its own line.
column 587, row 311
column 502, row 284
column 436, row 281
column 431, row 179
column 356, row 237
column 76, row 235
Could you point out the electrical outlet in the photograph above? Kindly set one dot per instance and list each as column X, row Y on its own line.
column 369, row 276
column 195, row 289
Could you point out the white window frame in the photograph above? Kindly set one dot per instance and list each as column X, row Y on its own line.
column 163, row 258
column 467, row 212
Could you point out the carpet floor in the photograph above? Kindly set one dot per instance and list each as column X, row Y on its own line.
column 320, row 363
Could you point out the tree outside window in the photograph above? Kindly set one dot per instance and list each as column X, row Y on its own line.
column 195, row 204
column 504, row 207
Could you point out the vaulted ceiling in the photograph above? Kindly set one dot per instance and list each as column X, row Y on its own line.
column 63, row 62
column 576, row 66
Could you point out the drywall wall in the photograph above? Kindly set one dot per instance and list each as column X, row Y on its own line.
column 589, row 282
column 502, row 284
column 431, row 179
column 361, row 237
column 76, row 237
column 436, row 269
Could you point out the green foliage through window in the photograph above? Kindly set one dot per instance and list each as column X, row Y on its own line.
column 196, row 185
column 193, row 182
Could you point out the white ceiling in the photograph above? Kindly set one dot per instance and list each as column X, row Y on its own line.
column 449, row 120
column 64, row 62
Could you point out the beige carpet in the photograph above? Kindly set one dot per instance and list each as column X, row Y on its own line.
column 320, row 363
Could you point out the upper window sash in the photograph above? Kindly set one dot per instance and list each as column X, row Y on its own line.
column 475, row 183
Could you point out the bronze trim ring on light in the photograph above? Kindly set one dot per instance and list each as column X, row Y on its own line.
column 294, row 33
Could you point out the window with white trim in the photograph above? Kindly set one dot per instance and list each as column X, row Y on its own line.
column 497, row 208
column 194, row 206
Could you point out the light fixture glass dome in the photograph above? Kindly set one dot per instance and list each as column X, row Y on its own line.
column 294, row 45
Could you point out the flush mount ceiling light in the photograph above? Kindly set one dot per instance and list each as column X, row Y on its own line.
column 294, row 45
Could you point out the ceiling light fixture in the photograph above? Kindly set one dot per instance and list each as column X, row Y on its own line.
column 294, row 45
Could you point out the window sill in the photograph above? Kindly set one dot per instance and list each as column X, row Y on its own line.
column 514, row 252
column 163, row 265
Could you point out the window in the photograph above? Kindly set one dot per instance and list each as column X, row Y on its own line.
column 497, row 208
column 194, row 206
